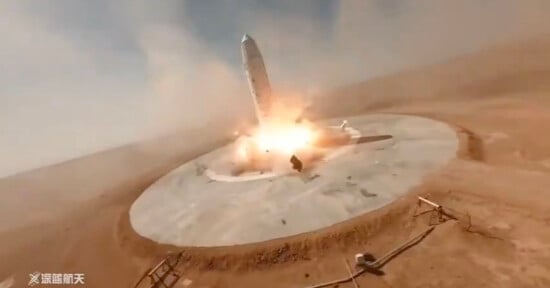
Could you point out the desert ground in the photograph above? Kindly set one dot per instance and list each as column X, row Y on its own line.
column 73, row 217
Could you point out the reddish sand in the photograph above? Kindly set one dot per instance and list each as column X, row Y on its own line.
column 498, row 187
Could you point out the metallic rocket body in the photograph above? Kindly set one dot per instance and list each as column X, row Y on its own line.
column 258, row 81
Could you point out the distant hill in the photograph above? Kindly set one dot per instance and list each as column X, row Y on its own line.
column 493, row 72
column 44, row 193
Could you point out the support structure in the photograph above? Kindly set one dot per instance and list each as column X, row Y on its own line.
column 163, row 275
column 441, row 214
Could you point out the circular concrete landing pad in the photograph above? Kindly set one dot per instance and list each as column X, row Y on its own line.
column 187, row 208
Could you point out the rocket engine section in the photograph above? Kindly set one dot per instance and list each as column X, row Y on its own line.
column 257, row 78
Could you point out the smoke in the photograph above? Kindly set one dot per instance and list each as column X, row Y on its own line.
column 188, row 91
column 79, row 77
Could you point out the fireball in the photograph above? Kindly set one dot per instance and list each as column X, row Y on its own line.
column 286, row 139
column 276, row 139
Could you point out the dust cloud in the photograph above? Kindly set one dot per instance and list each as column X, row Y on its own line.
column 81, row 77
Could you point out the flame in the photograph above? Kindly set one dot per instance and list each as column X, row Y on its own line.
column 242, row 151
column 276, row 139
column 285, row 139
column 281, row 135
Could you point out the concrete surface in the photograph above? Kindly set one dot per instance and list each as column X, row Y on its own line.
column 187, row 208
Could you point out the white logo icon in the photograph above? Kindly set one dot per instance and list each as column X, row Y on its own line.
column 34, row 278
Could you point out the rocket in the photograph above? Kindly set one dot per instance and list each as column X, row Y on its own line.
column 253, row 156
column 258, row 81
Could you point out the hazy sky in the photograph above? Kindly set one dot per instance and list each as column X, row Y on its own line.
column 81, row 76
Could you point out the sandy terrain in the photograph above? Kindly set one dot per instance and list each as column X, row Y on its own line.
column 499, row 97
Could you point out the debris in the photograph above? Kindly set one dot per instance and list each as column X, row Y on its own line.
column 366, row 193
column 314, row 176
column 296, row 163
column 283, row 221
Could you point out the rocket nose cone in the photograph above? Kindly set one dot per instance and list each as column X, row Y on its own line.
column 246, row 38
